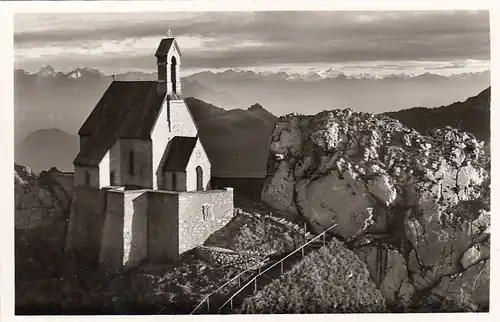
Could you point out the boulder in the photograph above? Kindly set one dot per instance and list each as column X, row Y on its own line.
column 475, row 254
column 370, row 174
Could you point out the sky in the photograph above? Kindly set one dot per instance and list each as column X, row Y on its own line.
column 377, row 42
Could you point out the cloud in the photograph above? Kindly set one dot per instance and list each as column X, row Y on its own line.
column 233, row 39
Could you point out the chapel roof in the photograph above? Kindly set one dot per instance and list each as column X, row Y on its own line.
column 179, row 153
column 128, row 109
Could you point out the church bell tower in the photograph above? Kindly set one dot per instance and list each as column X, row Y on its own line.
column 168, row 60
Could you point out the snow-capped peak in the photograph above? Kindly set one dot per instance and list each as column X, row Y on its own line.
column 75, row 74
column 47, row 71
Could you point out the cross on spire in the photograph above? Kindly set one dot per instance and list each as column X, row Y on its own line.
column 169, row 32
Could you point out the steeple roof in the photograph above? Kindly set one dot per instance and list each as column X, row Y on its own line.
column 165, row 45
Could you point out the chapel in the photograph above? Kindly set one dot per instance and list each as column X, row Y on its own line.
column 141, row 187
column 141, row 134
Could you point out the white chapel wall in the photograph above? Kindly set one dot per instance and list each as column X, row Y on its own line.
column 198, row 158
column 160, row 136
column 141, row 174
column 115, row 164
column 182, row 122
column 104, row 166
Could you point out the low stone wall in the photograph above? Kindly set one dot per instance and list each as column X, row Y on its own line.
column 246, row 187
column 223, row 257
column 129, row 226
column 202, row 213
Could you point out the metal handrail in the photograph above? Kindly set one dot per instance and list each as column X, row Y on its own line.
column 278, row 262
column 228, row 282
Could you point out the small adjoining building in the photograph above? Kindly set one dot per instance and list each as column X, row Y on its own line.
column 142, row 187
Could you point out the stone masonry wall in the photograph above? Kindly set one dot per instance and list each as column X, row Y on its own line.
column 135, row 227
column 125, row 229
column 163, row 214
column 86, row 219
column 111, row 252
column 201, row 214
column 198, row 158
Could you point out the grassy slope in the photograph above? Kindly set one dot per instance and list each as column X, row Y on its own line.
column 331, row 280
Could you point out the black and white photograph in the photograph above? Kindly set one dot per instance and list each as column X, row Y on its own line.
column 213, row 162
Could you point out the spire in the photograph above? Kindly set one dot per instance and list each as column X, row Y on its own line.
column 169, row 32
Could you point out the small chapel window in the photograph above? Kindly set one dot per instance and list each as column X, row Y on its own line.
column 131, row 162
column 112, row 177
column 199, row 178
column 87, row 178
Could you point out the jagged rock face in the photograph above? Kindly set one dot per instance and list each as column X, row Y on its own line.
column 371, row 174
column 39, row 201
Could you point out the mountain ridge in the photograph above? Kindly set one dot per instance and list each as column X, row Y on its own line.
column 48, row 70
column 471, row 115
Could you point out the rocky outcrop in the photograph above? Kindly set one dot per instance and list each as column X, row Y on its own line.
column 466, row 291
column 428, row 195
column 39, row 200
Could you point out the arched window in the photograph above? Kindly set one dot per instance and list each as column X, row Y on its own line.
column 173, row 74
column 131, row 162
column 199, row 178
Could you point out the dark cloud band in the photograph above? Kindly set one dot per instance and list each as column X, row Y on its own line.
column 288, row 37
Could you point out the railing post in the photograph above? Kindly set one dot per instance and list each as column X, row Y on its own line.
column 324, row 241
column 281, row 267
column 231, row 304
column 208, row 304
column 239, row 281
column 302, row 249
column 255, row 289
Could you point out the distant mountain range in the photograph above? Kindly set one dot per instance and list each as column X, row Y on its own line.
column 49, row 99
column 237, row 140
column 61, row 101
